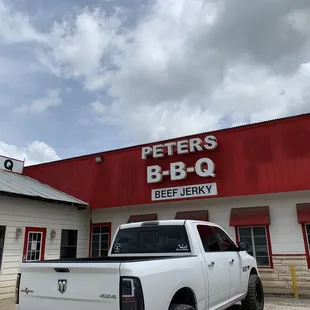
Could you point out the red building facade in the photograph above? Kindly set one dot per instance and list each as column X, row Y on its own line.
column 264, row 158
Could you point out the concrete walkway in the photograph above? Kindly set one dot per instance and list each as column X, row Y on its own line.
column 8, row 306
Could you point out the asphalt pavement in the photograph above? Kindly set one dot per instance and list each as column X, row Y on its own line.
column 271, row 303
column 276, row 303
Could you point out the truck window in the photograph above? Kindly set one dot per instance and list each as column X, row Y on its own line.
column 208, row 239
column 225, row 242
column 158, row 239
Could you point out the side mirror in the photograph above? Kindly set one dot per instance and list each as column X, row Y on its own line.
column 243, row 246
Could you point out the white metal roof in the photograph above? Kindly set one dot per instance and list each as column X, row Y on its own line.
column 21, row 185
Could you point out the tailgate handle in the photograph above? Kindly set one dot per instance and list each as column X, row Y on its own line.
column 62, row 269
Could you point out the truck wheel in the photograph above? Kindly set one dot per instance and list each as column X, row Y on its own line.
column 254, row 299
column 181, row 307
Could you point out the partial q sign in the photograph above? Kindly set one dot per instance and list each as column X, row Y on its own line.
column 10, row 164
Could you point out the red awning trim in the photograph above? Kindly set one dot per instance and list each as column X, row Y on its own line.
column 142, row 218
column 251, row 216
column 198, row 215
column 303, row 213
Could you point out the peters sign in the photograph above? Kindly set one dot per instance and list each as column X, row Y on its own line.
column 204, row 167
column 10, row 164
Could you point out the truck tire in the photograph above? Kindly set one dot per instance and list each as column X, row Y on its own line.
column 181, row 307
column 254, row 299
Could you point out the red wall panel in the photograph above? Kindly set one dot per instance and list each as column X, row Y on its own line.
column 263, row 158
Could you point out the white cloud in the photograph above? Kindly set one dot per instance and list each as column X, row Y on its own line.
column 51, row 99
column 16, row 27
column 77, row 45
column 194, row 66
column 34, row 153
column 100, row 110
column 184, row 66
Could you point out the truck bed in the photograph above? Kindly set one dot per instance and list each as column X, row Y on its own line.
column 87, row 280
column 110, row 259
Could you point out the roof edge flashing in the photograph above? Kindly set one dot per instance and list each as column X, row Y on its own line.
column 80, row 206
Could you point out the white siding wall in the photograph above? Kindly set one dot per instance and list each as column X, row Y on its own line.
column 286, row 233
column 16, row 212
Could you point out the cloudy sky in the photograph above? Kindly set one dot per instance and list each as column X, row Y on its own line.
column 81, row 76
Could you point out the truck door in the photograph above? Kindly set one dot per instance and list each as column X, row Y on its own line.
column 234, row 262
column 217, row 267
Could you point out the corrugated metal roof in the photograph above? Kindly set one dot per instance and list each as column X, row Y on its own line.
column 21, row 185
column 249, row 125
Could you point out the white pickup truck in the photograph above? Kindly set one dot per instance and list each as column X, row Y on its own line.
column 161, row 265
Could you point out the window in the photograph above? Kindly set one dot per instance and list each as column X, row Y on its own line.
column 152, row 239
column 215, row 239
column 257, row 239
column 100, row 239
column 208, row 239
column 68, row 247
column 303, row 217
column 306, row 236
column 2, row 236
column 34, row 246
column 307, row 233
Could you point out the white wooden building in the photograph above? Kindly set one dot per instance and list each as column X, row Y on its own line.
column 37, row 222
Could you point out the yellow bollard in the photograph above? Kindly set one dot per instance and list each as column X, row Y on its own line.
column 294, row 280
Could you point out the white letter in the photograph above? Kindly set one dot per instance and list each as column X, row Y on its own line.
column 182, row 147
column 205, row 172
column 177, row 171
column 195, row 144
column 158, row 151
column 154, row 174
column 211, row 143
column 169, row 146
column 146, row 151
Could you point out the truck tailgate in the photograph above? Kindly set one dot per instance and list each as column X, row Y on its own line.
column 69, row 286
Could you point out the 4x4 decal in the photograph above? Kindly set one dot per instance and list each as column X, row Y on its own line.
column 245, row 268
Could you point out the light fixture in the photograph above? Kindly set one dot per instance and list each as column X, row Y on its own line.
column 18, row 232
column 53, row 233
column 99, row 159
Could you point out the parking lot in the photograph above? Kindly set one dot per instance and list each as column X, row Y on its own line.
column 286, row 304
column 271, row 303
